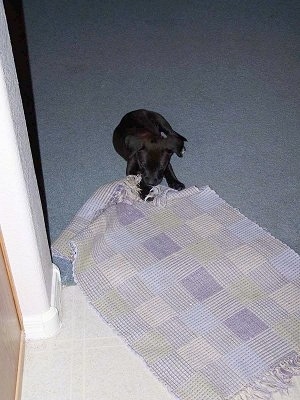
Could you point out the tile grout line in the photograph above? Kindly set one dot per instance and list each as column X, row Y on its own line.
column 72, row 347
column 84, row 357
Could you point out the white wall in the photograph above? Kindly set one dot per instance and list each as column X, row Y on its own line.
column 21, row 216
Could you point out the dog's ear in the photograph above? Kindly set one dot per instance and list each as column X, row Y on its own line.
column 176, row 144
column 133, row 144
column 176, row 134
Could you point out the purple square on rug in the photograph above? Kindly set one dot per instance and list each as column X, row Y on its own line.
column 201, row 284
column 245, row 324
column 127, row 214
column 161, row 246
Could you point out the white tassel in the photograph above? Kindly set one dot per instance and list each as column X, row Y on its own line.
column 277, row 380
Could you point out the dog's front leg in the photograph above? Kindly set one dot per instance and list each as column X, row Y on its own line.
column 172, row 180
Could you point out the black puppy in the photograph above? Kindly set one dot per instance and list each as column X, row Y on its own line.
column 147, row 142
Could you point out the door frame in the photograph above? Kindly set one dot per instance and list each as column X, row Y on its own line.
column 20, row 367
column 36, row 279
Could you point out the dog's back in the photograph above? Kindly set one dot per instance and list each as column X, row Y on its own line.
column 133, row 123
column 140, row 123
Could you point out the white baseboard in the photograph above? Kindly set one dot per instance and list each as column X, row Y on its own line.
column 47, row 324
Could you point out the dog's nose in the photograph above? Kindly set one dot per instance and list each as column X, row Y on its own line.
column 151, row 181
column 155, row 182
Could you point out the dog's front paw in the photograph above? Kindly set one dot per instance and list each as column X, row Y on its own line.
column 177, row 185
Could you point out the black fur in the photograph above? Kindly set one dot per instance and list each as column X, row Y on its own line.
column 147, row 142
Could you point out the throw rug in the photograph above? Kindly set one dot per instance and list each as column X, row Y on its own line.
column 207, row 298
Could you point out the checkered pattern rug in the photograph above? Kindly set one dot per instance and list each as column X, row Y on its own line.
column 206, row 297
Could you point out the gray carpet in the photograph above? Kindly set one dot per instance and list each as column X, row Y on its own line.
column 224, row 73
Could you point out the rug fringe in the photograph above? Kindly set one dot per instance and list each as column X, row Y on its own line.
column 158, row 195
column 132, row 189
column 277, row 380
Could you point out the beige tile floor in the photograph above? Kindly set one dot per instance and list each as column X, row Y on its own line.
column 87, row 361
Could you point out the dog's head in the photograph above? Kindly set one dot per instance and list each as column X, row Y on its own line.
column 153, row 153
